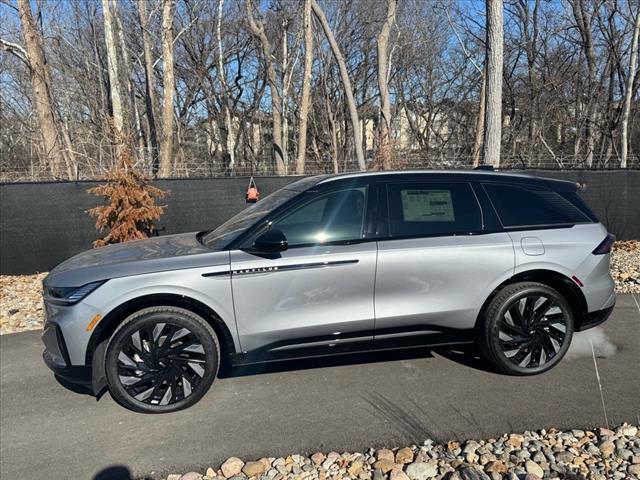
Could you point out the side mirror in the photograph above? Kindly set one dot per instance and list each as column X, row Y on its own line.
column 271, row 241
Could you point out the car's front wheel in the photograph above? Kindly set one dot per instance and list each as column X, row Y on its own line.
column 527, row 329
column 161, row 359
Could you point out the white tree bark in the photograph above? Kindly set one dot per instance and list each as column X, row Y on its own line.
column 257, row 28
column 633, row 63
column 166, row 140
column 228, row 135
column 150, row 90
column 346, row 82
column 306, row 89
column 113, row 70
column 493, row 109
column 384, row 128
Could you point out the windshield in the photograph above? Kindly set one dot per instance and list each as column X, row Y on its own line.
column 229, row 230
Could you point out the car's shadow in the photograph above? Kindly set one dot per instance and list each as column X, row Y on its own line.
column 467, row 355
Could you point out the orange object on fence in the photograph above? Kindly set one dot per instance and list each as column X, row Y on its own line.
column 252, row 192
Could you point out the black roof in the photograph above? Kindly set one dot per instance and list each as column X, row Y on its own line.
column 453, row 175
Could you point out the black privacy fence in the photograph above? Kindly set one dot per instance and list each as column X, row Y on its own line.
column 41, row 224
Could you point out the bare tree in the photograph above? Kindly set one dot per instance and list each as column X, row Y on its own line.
column 34, row 58
column 583, row 19
column 384, row 127
column 149, row 84
column 228, row 131
column 633, row 62
column 168, row 81
column 112, row 62
column 257, row 28
column 493, row 109
column 346, row 82
column 306, row 89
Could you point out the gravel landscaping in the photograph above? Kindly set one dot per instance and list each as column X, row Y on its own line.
column 602, row 454
column 21, row 295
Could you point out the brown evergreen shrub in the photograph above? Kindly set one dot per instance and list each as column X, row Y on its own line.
column 130, row 208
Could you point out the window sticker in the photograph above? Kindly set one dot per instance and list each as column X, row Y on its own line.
column 427, row 206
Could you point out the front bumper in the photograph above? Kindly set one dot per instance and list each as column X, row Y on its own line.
column 56, row 357
column 593, row 319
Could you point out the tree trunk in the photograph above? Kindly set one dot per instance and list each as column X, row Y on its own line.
column 477, row 143
column 228, row 134
column 41, row 84
column 166, row 141
column 114, row 76
column 583, row 22
column 130, row 93
column 346, row 82
column 306, row 89
column 150, row 91
column 384, row 127
column 633, row 61
column 276, row 102
column 493, row 117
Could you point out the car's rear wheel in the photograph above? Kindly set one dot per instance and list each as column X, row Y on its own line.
column 527, row 329
column 161, row 359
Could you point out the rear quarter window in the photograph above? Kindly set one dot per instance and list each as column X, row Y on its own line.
column 432, row 209
column 526, row 206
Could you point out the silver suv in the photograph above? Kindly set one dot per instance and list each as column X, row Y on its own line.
column 335, row 264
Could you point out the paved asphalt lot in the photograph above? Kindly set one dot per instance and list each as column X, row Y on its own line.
column 347, row 404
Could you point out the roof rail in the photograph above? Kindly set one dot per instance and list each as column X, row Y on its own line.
column 484, row 167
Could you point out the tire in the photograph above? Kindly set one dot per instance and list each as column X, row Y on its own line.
column 526, row 329
column 148, row 375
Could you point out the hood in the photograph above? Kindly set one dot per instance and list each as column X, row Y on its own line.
column 136, row 257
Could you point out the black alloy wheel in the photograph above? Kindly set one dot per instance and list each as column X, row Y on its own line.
column 161, row 359
column 527, row 329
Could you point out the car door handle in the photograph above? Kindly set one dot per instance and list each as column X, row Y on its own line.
column 283, row 268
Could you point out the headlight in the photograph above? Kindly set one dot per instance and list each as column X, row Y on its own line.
column 70, row 295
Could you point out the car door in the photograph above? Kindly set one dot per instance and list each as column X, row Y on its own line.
column 319, row 292
column 438, row 260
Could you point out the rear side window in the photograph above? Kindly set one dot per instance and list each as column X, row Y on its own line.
column 526, row 206
column 430, row 209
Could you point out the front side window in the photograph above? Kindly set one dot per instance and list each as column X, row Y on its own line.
column 423, row 209
column 525, row 206
column 329, row 217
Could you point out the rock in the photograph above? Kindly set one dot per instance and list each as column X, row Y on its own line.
column 210, row 473
column 233, row 466
column 253, row 469
column 629, row 430
column 533, row 467
column 496, row 466
column 385, row 454
column 174, row 476
column 385, row 465
column 605, row 432
column 531, row 476
column 404, row 455
column 470, row 446
column 606, row 448
column 469, row 473
column 191, row 476
column 318, row 458
column 515, row 440
column 634, row 469
column 422, row 470
column 471, row 457
column 398, row 474
column 453, row 476
column 378, row 475
column 355, row 468
column 564, row 457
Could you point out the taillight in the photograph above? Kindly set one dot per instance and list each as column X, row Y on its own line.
column 605, row 246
